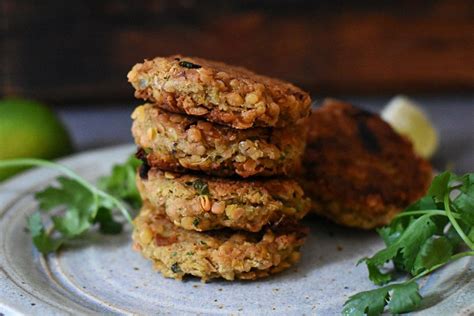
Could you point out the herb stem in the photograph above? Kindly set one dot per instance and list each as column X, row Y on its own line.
column 455, row 224
column 423, row 212
column 117, row 203
column 433, row 268
column 32, row 162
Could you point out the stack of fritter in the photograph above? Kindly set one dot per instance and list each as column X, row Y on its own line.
column 219, row 145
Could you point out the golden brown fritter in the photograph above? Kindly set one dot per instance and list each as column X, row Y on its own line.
column 177, row 142
column 177, row 252
column 197, row 202
column 358, row 171
column 218, row 92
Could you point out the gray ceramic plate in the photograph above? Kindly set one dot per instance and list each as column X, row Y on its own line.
column 102, row 274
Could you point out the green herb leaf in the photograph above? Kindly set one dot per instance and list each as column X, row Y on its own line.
column 408, row 246
column 425, row 203
column 68, row 193
column 471, row 233
column 107, row 223
column 376, row 276
column 391, row 233
column 394, row 230
column 404, row 297
column 121, row 182
column 453, row 237
column 74, row 204
column 418, row 241
column 440, row 186
column 436, row 250
column 464, row 202
column 369, row 303
column 399, row 297
column 42, row 241
column 189, row 65
column 201, row 187
column 176, row 268
column 78, row 201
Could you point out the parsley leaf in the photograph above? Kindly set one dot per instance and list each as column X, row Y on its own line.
column 404, row 297
column 453, row 237
column 376, row 276
column 42, row 241
column 418, row 241
column 394, row 230
column 74, row 205
column 108, row 225
column 436, row 250
column 464, row 202
column 79, row 203
column 121, row 182
column 425, row 203
column 440, row 186
column 369, row 303
column 407, row 246
column 399, row 298
column 471, row 234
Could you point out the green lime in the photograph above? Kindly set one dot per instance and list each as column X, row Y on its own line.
column 29, row 129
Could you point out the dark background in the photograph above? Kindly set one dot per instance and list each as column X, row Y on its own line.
column 66, row 52
column 74, row 55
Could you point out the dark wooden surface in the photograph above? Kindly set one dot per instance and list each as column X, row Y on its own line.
column 75, row 51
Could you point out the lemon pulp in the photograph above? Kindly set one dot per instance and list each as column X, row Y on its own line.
column 409, row 119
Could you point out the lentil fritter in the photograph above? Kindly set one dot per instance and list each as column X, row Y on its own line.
column 203, row 203
column 358, row 171
column 177, row 252
column 178, row 142
column 218, row 92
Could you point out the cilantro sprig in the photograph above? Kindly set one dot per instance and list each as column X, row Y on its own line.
column 434, row 231
column 74, row 205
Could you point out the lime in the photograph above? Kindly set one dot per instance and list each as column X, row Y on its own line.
column 29, row 129
column 409, row 119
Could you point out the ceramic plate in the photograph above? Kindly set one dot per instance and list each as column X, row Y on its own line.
column 103, row 275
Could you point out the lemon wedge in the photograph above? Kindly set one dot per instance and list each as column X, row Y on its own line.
column 408, row 118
